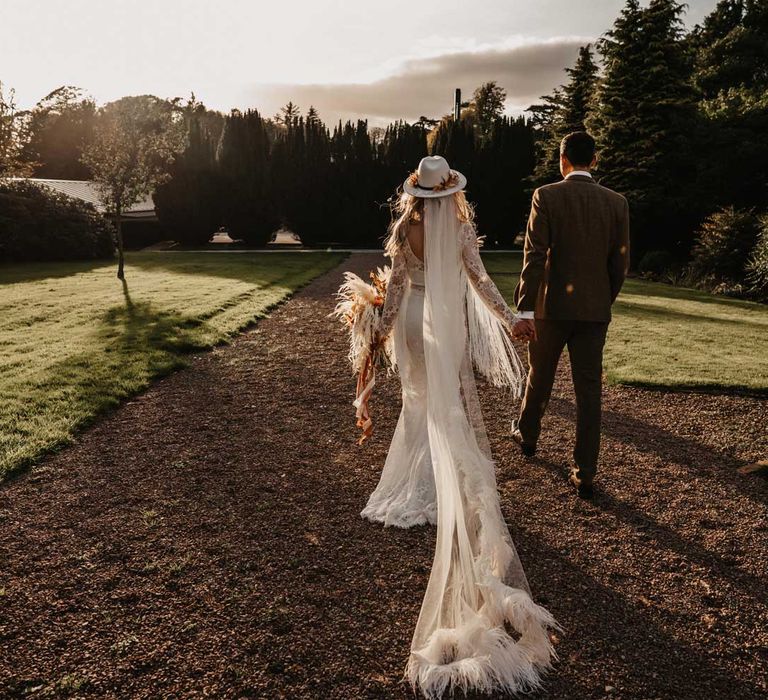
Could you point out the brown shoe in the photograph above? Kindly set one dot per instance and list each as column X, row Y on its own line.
column 527, row 450
column 584, row 489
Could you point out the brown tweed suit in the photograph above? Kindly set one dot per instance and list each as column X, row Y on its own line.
column 576, row 259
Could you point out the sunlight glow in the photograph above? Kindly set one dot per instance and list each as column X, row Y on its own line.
column 250, row 53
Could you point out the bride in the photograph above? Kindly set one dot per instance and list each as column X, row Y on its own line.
column 478, row 627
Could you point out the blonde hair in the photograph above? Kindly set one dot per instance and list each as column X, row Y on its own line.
column 407, row 209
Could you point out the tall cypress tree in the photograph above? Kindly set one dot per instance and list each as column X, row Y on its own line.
column 301, row 179
column 579, row 91
column 402, row 147
column 189, row 204
column 732, row 75
column 455, row 141
column 643, row 120
column 356, row 186
column 333, row 188
column 498, row 184
column 249, row 208
column 566, row 110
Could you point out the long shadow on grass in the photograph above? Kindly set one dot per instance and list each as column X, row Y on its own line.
column 628, row 308
column 613, row 639
column 138, row 326
column 140, row 344
column 636, row 287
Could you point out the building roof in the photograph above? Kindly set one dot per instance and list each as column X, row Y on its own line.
column 86, row 191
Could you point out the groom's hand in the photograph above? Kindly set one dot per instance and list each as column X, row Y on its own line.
column 524, row 329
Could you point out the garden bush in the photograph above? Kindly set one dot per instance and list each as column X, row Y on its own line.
column 724, row 243
column 757, row 266
column 37, row 224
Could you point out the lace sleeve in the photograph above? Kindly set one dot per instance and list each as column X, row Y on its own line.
column 483, row 284
column 398, row 281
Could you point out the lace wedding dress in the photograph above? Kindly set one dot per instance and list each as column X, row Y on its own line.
column 478, row 627
column 406, row 494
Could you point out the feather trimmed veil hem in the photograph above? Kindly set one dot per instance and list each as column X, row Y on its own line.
column 482, row 654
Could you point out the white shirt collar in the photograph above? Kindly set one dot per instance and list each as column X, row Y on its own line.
column 578, row 172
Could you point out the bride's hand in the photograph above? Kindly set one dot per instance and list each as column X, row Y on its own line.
column 524, row 329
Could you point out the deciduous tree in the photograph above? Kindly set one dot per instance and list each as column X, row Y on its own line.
column 134, row 144
column 14, row 131
column 61, row 126
column 488, row 101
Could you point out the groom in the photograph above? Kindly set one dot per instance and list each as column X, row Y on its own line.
column 576, row 259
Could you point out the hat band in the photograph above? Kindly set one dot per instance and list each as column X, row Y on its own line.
column 451, row 180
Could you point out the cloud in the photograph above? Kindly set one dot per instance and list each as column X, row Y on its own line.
column 424, row 85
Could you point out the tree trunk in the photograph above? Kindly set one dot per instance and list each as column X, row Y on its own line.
column 120, row 256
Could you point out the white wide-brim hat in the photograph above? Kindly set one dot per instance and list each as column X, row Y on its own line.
column 434, row 178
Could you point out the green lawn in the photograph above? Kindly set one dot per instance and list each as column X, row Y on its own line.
column 74, row 341
column 674, row 337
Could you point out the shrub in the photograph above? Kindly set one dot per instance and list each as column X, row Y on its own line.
column 656, row 263
column 38, row 224
column 757, row 266
column 723, row 245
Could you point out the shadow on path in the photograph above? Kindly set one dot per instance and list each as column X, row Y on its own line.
column 669, row 447
column 634, row 647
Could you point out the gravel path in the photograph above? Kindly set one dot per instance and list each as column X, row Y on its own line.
column 204, row 539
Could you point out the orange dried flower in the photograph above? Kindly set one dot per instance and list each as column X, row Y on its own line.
column 451, row 181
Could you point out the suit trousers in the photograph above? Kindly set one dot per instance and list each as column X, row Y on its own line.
column 585, row 341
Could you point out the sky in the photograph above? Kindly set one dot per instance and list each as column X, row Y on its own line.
column 350, row 59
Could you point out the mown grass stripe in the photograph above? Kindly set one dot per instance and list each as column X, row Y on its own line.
column 674, row 337
column 74, row 342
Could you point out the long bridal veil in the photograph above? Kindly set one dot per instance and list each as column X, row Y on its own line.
column 478, row 626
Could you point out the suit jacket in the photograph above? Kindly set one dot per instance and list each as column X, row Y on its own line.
column 576, row 251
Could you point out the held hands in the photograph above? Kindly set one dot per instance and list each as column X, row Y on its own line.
column 524, row 329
